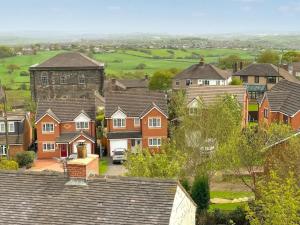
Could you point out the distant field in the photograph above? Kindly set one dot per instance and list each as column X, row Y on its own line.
column 120, row 63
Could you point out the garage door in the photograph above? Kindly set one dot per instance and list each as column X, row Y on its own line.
column 88, row 146
column 114, row 144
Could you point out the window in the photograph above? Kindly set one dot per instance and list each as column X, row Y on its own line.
column 266, row 113
column 200, row 82
column 285, row 119
column 193, row 110
column 154, row 142
column 253, row 94
column 271, row 80
column 44, row 80
column 48, row 128
column 2, row 150
column 137, row 122
column 177, row 82
column 81, row 79
column 2, row 127
column 154, row 122
column 244, row 79
column 11, row 127
column 63, row 79
column 297, row 74
column 256, row 79
column 188, row 82
column 82, row 125
column 206, row 82
column 218, row 82
column 48, row 147
column 119, row 123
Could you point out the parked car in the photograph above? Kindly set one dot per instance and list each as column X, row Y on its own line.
column 119, row 155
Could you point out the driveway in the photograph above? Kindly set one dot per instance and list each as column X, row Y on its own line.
column 115, row 169
column 47, row 164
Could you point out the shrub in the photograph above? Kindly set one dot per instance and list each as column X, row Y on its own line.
column 236, row 81
column 200, row 193
column 186, row 184
column 8, row 165
column 24, row 74
column 25, row 158
column 140, row 66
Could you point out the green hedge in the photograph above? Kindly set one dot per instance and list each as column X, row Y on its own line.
column 8, row 164
column 25, row 159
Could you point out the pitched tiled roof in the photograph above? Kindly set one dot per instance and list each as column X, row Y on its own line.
column 134, row 102
column 68, row 60
column 121, row 135
column 205, row 71
column 66, row 109
column 265, row 69
column 284, row 97
column 70, row 136
column 134, row 83
column 210, row 94
column 41, row 198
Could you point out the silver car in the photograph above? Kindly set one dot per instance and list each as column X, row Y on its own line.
column 119, row 155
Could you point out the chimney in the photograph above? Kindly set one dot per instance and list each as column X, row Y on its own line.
column 241, row 65
column 80, row 169
column 235, row 67
column 201, row 63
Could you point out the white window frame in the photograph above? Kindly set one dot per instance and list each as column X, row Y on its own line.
column 206, row 82
column 48, row 146
column 116, row 123
column 266, row 113
column 156, row 125
column 80, row 127
column 44, row 131
column 2, row 127
column 151, row 142
column 188, row 82
column 218, row 82
column 11, row 127
column 44, row 77
column 136, row 122
column 3, row 151
column 200, row 82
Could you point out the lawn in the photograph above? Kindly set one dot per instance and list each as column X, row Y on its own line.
column 230, row 195
column 226, row 206
column 103, row 166
column 253, row 107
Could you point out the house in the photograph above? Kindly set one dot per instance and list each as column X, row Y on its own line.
column 66, row 75
column 211, row 94
column 126, row 84
column 63, row 124
column 136, row 118
column 53, row 198
column 201, row 74
column 260, row 77
column 20, row 135
column 295, row 69
column 281, row 104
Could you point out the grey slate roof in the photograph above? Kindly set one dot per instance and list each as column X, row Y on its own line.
column 69, row 136
column 265, row 69
column 41, row 198
column 134, row 103
column 284, row 97
column 210, row 94
column 68, row 60
column 206, row 71
column 134, row 83
column 66, row 109
column 121, row 135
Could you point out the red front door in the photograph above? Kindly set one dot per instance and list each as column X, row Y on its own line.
column 63, row 150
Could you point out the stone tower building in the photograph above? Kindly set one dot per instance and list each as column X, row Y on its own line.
column 66, row 75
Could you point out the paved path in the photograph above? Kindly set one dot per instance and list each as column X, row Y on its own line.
column 115, row 169
column 47, row 164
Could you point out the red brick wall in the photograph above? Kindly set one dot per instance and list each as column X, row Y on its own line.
column 295, row 121
column 14, row 149
column 83, row 171
column 71, row 127
column 93, row 167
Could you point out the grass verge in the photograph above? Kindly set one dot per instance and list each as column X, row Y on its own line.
column 103, row 166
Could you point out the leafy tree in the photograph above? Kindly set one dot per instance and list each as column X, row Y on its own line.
column 6, row 52
column 228, row 61
column 236, row 81
column 200, row 193
column 279, row 202
column 268, row 56
column 291, row 56
column 12, row 67
column 140, row 66
column 162, row 80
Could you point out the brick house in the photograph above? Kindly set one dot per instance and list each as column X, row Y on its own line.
column 136, row 118
column 66, row 75
column 201, row 74
column 261, row 77
column 281, row 104
column 62, row 124
column 20, row 135
column 210, row 94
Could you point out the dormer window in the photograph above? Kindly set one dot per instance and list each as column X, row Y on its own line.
column 82, row 125
column 81, row 79
column 119, row 123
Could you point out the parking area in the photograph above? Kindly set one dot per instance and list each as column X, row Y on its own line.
column 115, row 169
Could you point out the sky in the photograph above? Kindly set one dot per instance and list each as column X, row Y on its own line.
column 151, row 16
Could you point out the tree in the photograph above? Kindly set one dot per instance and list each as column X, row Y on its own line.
column 12, row 67
column 140, row 66
column 268, row 56
column 228, row 62
column 200, row 193
column 236, row 81
column 162, row 80
column 6, row 52
column 279, row 202
column 291, row 56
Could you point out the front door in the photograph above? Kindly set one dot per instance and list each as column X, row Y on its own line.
column 63, row 150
